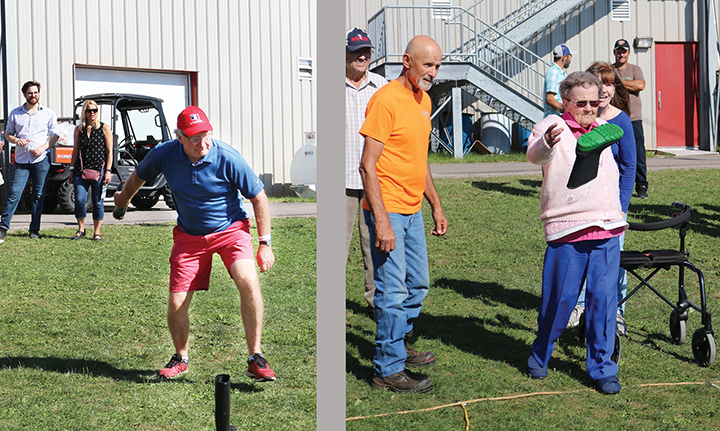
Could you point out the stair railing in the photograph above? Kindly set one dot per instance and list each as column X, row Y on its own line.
column 463, row 37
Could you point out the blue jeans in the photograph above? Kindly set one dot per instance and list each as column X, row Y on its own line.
column 402, row 280
column 37, row 173
column 81, row 194
column 563, row 270
column 621, row 285
column 641, row 170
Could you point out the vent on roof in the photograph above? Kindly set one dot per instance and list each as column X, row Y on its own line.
column 305, row 69
column 442, row 9
column 620, row 10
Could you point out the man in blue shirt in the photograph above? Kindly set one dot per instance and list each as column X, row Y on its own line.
column 562, row 56
column 207, row 177
column 34, row 130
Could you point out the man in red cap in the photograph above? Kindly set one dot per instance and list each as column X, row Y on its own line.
column 205, row 176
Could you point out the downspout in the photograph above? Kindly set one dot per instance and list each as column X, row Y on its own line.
column 708, row 57
column 713, row 50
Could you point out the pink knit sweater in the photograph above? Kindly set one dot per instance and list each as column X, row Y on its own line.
column 596, row 203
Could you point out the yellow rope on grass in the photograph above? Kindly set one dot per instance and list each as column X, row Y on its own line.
column 514, row 397
column 467, row 420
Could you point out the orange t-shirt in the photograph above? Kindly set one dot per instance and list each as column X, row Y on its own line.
column 400, row 119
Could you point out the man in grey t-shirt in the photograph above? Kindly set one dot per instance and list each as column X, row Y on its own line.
column 632, row 77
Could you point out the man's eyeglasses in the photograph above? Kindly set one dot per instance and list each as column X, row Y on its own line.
column 197, row 140
column 91, row 111
column 583, row 103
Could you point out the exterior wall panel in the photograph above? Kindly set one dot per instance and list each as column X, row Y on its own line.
column 588, row 30
column 244, row 53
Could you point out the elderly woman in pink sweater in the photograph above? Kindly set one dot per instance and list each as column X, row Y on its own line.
column 582, row 220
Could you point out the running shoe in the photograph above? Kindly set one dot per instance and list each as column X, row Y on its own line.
column 574, row 320
column 259, row 369
column 174, row 368
column 622, row 328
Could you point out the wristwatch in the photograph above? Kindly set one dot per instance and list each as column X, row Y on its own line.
column 268, row 242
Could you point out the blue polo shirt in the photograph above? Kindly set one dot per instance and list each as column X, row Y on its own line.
column 207, row 193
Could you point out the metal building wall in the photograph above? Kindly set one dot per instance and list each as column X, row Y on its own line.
column 588, row 30
column 591, row 31
column 244, row 52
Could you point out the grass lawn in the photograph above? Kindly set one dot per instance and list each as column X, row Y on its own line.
column 480, row 318
column 83, row 334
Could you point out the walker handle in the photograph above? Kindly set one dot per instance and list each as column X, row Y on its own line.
column 676, row 220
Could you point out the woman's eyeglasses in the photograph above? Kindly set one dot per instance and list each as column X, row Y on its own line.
column 583, row 103
column 91, row 111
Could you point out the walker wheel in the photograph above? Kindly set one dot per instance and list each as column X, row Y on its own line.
column 618, row 348
column 703, row 347
column 581, row 331
column 677, row 328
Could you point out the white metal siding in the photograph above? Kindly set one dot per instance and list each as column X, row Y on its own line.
column 244, row 52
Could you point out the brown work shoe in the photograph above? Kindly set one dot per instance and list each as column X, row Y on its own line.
column 418, row 359
column 403, row 382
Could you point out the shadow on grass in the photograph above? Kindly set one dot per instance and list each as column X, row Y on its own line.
column 352, row 364
column 78, row 366
column 359, row 309
column 655, row 340
column 358, row 337
column 245, row 387
column 503, row 188
column 491, row 292
column 706, row 222
column 100, row 369
column 536, row 184
column 484, row 338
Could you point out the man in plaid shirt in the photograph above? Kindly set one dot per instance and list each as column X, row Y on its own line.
column 562, row 56
column 360, row 85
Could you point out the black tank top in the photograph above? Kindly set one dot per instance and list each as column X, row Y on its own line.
column 92, row 149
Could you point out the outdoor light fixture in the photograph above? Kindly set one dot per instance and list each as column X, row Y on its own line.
column 643, row 42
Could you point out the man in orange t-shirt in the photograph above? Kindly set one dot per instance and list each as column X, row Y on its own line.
column 396, row 176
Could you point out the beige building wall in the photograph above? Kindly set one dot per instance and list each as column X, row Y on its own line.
column 588, row 29
column 245, row 54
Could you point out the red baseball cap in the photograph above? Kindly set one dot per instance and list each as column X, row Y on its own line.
column 192, row 120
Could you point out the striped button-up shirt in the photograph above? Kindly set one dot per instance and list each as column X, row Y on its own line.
column 356, row 100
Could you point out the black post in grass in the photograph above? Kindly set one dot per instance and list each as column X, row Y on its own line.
column 222, row 403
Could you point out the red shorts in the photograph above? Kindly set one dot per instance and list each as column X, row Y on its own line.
column 191, row 256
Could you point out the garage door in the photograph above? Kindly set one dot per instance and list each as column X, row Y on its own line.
column 173, row 88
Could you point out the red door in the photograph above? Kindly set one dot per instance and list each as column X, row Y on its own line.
column 676, row 98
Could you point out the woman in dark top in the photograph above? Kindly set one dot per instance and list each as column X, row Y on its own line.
column 93, row 150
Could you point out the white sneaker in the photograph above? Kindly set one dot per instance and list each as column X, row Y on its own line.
column 622, row 328
column 575, row 316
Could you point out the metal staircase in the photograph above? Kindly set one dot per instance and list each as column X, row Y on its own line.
column 477, row 57
column 520, row 24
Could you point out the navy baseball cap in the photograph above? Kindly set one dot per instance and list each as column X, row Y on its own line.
column 622, row 44
column 357, row 39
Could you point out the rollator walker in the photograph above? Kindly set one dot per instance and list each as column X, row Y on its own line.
column 703, row 342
